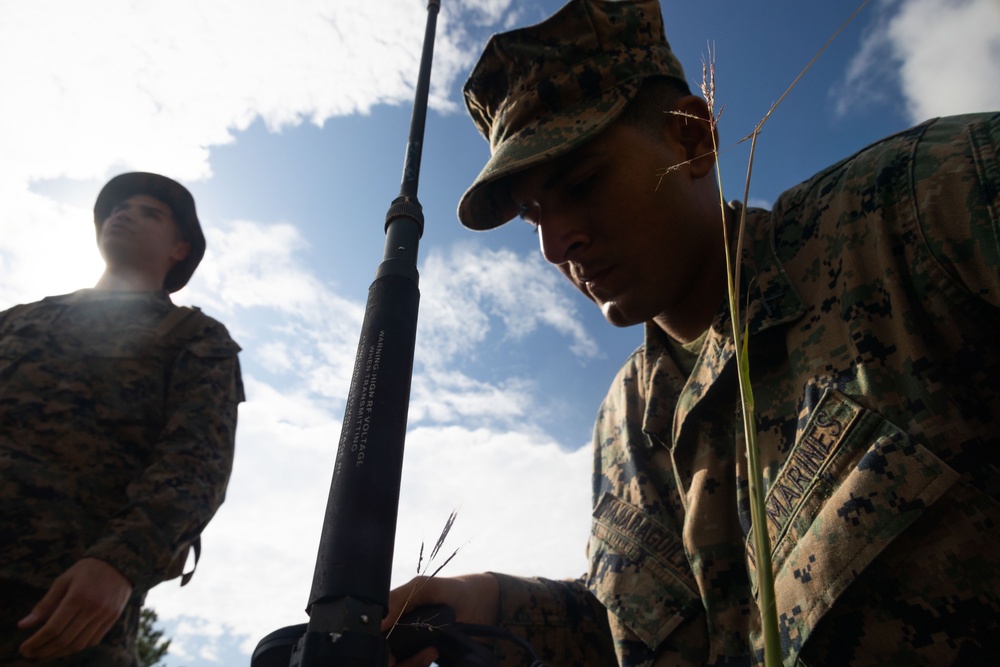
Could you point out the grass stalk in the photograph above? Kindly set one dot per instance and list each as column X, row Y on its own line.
column 423, row 569
column 758, row 530
column 761, row 541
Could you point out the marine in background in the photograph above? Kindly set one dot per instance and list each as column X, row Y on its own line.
column 118, row 418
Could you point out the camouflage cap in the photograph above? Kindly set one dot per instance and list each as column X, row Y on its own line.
column 541, row 91
column 173, row 194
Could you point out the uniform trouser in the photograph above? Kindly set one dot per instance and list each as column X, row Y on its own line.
column 117, row 649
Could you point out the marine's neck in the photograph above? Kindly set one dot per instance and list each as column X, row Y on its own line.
column 125, row 280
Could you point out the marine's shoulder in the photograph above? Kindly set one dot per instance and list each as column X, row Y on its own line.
column 198, row 332
column 876, row 164
column 31, row 310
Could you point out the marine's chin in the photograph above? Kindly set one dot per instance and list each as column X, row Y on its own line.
column 618, row 316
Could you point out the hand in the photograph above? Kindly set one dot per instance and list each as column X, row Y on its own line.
column 77, row 611
column 474, row 597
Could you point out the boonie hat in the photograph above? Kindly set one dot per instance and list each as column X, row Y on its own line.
column 541, row 91
column 173, row 194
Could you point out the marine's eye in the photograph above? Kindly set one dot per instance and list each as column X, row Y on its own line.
column 531, row 214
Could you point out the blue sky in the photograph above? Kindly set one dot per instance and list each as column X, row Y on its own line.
column 288, row 122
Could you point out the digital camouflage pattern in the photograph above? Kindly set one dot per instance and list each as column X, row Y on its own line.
column 874, row 311
column 116, row 442
column 541, row 91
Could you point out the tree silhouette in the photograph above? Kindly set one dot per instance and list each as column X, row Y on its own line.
column 150, row 644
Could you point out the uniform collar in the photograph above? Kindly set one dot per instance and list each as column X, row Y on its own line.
column 772, row 301
column 90, row 295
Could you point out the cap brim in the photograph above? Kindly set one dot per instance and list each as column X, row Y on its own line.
column 487, row 203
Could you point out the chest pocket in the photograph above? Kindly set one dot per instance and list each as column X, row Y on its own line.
column 128, row 389
column 637, row 571
column 133, row 370
column 851, row 485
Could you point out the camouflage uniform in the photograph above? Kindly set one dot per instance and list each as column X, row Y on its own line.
column 874, row 315
column 116, row 442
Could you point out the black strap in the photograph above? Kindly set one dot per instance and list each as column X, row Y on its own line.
column 174, row 326
column 196, row 545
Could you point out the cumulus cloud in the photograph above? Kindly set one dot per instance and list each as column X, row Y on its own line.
column 938, row 57
column 156, row 84
column 470, row 284
column 445, row 396
column 46, row 247
column 950, row 53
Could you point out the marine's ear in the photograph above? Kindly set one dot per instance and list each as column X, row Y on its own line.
column 180, row 251
column 691, row 124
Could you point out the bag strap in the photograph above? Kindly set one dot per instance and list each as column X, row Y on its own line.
column 172, row 322
column 175, row 325
column 176, row 567
column 196, row 545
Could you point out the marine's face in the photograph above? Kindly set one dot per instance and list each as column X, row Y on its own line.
column 141, row 232
column 633, row 239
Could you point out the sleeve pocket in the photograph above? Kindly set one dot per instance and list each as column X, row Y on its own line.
column 635, row 573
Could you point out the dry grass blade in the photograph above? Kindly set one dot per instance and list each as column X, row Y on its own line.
column 421, row 569
column 444, row 534
column 447, row 560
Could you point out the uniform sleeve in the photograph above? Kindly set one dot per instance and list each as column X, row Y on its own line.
column 956, row 180
column 564, row 623
column 172, row 500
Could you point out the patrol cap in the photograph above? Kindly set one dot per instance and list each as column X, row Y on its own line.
column 541, row 91
column 170, row 192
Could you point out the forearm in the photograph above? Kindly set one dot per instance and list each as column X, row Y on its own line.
column 564, row 623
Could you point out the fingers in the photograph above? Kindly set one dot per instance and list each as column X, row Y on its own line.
column 474, row 597
column 409, row 595
column 57, row 619
column 43, row 610
column 68, row 631
column 79, row 608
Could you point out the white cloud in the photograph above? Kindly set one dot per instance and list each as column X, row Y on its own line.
column 940, row 57
column 112, row 84
column 448, row 396
column 950, row 53
column 471, row 284
column 255, row 280
column 468, row 293
column 45, row 247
